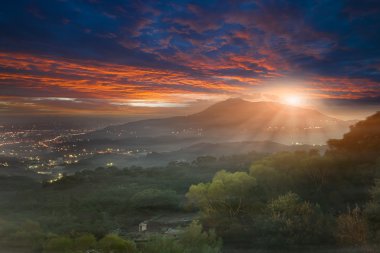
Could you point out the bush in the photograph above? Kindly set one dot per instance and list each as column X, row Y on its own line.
column 352, row 228
column 195, row 240
column 372, row 213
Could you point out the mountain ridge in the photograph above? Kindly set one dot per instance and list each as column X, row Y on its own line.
column 236, row 119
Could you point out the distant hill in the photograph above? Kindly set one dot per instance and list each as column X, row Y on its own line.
column 189, row 153
column 238, row 120
column 227, row 149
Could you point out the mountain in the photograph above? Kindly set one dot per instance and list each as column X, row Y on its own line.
column 238, row 120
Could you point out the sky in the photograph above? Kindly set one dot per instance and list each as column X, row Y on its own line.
column 144, row 58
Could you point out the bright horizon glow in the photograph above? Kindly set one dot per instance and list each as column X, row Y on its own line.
column 293, row 100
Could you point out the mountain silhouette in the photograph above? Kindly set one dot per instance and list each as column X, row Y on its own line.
column 239, row 120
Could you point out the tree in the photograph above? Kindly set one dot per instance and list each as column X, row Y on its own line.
column 228, row 194
column 59, row 244
column 195, row 240
column 352, row 228
column 114, row 244
column 227, row 203
column 293, row 221
column 85, row 242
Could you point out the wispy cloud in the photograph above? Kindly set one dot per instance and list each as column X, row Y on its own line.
column 153, row 54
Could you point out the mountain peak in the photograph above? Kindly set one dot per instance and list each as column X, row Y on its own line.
column 242, row 102
column 242, row 120
column 230, row 102
column 240, row 110
column 224, row 107
column 232, row 106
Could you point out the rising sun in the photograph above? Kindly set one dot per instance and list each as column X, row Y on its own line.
column 293, row 100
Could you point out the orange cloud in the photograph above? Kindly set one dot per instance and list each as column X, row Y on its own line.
column 100, row 80
column 115, row 88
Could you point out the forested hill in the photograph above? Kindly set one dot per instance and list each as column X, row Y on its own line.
column 363, row 139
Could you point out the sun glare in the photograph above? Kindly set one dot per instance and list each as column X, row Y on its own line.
column 293, row 100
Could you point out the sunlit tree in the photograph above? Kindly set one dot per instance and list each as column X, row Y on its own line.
column 227, row 194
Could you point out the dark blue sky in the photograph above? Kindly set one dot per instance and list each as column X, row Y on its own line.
column 70, row 56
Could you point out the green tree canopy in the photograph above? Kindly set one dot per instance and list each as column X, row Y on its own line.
column 59, row 244
column 294, row 221
column 114, row 244
column 227, row 194
column 195, row 240
column 85, row 242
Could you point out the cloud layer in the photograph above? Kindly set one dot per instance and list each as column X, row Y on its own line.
column 171, row 53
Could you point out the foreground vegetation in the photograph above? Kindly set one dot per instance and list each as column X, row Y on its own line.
column 101, row 202
column 286, row 200
column 192, row 240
